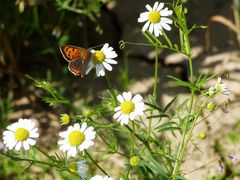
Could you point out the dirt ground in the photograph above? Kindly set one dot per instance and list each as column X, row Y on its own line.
column 224, row 57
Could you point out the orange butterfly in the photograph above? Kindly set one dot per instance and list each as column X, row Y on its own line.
column 77, row 57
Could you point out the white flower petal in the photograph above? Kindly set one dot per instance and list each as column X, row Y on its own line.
column 120, row 98
column 117, row 115
column 89, row 67
column 146, row 25
column 26, row 145
column 137, row 98
column 72, row 151
column 110, row 61
column 105, row 46
column 148, row 7
column 76, row 126
column 107, row 66
column 166, row 12
column 160, row 6
column 111, row 55
column 83, row 127
column 151, row 28
column 166, row 20
column 18, row 146
column 31, row 141
column 155, row 5
column 127, row 96
column 117, row 108
column 98, row 69
column 165, row 26
column 143, row 17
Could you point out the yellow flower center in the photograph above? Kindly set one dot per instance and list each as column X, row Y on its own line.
column 76, row 138
column 21, row 134
column 134, row 160
column 127, row 107
column 98, row 57
column 73, row 167
column 154, row 17
column 65, row 119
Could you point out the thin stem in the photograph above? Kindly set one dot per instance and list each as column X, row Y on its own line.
column 154, row 90
column 43, row 152
column 183, row 144
column 111, row 88
column 133, row 137
column 99, row 167
column 27, row 159
column 156, row 74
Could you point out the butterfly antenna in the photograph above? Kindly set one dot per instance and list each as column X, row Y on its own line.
column 96, row 46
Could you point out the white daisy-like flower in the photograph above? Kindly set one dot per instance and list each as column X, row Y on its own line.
column 129, row 107
column 220, row 87
column 79, row 168
column 157, row 19
column 21, row 134
column 98, row 177
column 76, row 138
column 102, row 59
column 223, row 89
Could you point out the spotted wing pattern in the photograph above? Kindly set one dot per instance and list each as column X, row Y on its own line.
column 72, row 53
column 76, row 67
column 77, row 57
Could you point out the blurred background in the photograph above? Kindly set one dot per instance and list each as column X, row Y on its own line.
column 31, row 32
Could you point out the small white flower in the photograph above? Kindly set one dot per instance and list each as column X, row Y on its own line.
column 76, row 138
column 102, row 59
column 220, row 87
column 156, row 18
column 20, row 134
column 98, row 177
column 129, row 107
column 79, row 168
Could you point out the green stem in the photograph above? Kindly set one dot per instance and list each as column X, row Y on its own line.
column 111, row 88
column 27, row 159
column 156, row 74
column 154, row 90
column 184, row 141
column 183, row 144
column 99, row 167
column 133, row 137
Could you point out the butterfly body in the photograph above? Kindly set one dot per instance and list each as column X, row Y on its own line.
column 77, row 57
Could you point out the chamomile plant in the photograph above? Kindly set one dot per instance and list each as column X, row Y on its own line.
column 132, row 126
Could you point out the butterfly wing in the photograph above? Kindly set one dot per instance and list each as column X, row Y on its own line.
column 76, row 67
column 73, row 53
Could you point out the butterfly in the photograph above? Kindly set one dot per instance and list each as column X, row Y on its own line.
column 78, row 58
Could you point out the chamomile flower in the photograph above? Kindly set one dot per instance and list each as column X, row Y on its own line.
column 129, row 108
column 156, row 19
column 21, row 134
column 79, row 168
column 98, row 177
column 76, row 138
column 220, row 87
column 102, row 59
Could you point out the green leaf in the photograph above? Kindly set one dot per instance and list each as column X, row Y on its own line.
column 149, row 38
column 155, row 38
column 170, row 104
column 155, row 166
column 154, row 106
column 167, row 39
column 179, row 82
column 158, row 116
column 168, row 126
